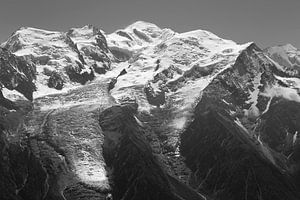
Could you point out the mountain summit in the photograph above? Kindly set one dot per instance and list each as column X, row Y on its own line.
column 147, row 113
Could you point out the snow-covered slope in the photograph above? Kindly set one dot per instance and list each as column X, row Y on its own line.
column 180, row 65
column 92, row 45
column 287, row 56
column 61, row 58
column 125, row 42
column 287, row 60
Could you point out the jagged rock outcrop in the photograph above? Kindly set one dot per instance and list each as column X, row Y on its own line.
column 92, row 45
column 136, row 173
column 279, row 128
column 17, row 73
column 55, row 81
column 155, row 97
column 280, row 125
column 22, row 175
column 227, row 163
column 75, row 55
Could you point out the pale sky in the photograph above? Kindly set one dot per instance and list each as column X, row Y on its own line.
column 266, row 22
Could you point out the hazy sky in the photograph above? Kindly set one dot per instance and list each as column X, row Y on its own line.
column 267, row 22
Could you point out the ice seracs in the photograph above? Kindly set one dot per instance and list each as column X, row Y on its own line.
column 181, row 64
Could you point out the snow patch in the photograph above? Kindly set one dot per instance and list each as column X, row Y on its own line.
column 179, row 123
column 266, row 151
column 138, row 121
column 295, row 137
column 291, row 82
column 253, row 110
column 12, row 94
column 239, row 123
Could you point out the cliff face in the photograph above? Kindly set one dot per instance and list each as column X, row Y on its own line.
column 135, row 171
column 145, row 113
column 229, row 163
column 280, row 130
column 17, row 73
column 22, row 174
column 229, row 155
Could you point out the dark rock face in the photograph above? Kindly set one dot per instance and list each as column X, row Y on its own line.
column 156, row 98
column 294, row 161
column 98, row 57
column 239, row 81
column 112, row 83
column 227, row 160
column 136, row 173
column 16, row 73
column 280, row 125
column 122, row 72
column 98, row 52
column 22, row 175
column 227, row 164
column 55, row 81
column 101, row 40
column 76, row 75
column 280, row 128
column 166, row 73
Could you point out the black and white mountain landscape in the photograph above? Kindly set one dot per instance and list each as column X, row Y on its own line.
column 147, row 113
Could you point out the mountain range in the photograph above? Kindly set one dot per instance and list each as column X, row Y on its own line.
column 146, row 113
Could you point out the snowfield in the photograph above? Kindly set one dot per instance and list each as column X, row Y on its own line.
column 188, row 52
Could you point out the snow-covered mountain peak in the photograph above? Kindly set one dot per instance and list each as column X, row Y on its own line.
column 180, row 67
column 32, row 39
column 200, row 34
column 85, row 31
column 144, row 26
column 287, row 57
column 61, row 58
column 136, row 36
column 289, row 47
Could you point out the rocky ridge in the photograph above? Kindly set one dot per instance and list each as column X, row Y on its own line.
column 159, row 115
